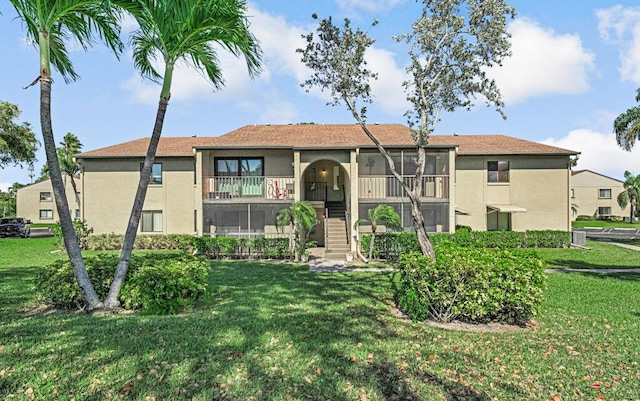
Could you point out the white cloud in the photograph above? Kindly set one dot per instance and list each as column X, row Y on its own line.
column 4, row 186
column 599, row 152
column 620, row 26
column 387, row 90
column 543, row 62
column 369, row 5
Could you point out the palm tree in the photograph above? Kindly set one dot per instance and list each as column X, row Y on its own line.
column 627, row 126
column 50, row 24
column 172, row 31
column 631, row 194
column 382, row 214
column 69, row 146
column 302, row 218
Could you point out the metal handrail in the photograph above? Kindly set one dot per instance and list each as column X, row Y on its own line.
column 326, row 228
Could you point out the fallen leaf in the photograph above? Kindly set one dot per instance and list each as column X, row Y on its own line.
column 353, row 358
column 126, row 388
column 596, row 385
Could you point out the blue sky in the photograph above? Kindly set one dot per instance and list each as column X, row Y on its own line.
column 575, row 67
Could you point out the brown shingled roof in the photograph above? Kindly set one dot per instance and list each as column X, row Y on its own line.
column 168, row 146
column 330, row 136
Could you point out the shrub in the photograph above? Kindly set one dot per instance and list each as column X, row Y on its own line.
column 390, row 246
column 472, row 285
column 111, row 241
column 163, row 283
column 225, row 247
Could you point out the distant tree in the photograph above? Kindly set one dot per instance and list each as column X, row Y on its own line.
column 384, row 215
column 451, row 47
column 69, row 146
column 631, row 194
column 18, row 143
column 173, row 31
column 627, row 126
column 8, row 199
column 51, row 25
column 302, row 218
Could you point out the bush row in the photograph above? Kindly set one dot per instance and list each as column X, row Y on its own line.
column 390, row 246
column 472, row 285
column 243, row 248
column 156, row 283
column 110, row 242
column 212, row 247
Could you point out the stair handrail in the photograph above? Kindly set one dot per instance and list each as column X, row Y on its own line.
column 347, row 225
column 326, row 229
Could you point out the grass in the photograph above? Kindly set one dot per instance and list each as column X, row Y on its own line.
column 275, row 331
column 605, row 224
column 600, row 255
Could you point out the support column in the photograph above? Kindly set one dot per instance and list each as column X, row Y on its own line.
column 353, row 190
column 297, row 175
column 198, row 195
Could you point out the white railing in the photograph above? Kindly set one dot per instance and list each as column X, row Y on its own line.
column 215, row 188
column 388, row 186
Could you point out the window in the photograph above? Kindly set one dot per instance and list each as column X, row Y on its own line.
column 604, row 211
column 151, row 221
column 497, row 171
column 498, row 221
column 45, row 197
column 46, row 214
column 573, row 193
column 77, row 214
column 156, row 173
column 604, row 193
column 239, row 167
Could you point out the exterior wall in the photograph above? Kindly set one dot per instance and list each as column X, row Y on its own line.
column 29, row 205
column 540, row 184
column 109, row 187
column 586, row 186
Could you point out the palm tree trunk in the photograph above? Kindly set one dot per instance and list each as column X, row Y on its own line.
column 373, row 239
column 71, row 242
column 112, row 300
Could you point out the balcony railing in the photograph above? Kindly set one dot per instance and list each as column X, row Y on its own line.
column 388, row 186
column 221, row 188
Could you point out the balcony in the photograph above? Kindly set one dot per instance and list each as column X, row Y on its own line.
column 388, row 186
column 229, row 188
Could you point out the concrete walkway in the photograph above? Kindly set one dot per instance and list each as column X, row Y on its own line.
column 627, row 246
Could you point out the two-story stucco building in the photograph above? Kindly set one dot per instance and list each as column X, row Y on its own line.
column 594, row 194
column 235, row 184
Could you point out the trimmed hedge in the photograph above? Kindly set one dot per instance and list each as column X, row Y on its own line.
column 156, row 284
column 111, row 242
column 472, row 285
column 242, row 248
column 212, row 247
column 391, row 246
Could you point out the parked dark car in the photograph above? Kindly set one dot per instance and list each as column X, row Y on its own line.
column 15, row 227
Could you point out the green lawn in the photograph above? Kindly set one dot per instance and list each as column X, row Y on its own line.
column 275, row 331
column 600, row 255
column 605, row 224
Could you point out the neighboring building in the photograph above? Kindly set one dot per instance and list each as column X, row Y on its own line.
column 236, row 183
column 594, row 194
column 36, row 202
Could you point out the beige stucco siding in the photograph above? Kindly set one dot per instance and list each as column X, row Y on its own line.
column 29, row 204
column 586, row 199
column 110, row 186
column 539, row 184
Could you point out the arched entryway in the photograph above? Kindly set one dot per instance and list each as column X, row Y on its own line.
column 325, row 184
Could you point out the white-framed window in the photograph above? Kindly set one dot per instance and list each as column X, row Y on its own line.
column 604, row 211
column 151, row 221
column 156, row 173
column 497, row 171
column 45, row 197
column 604, row 193
column 46, row 214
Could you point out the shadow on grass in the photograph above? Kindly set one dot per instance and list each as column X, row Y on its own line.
column 267, row 331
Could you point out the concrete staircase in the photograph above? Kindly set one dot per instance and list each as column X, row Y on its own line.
column 337, row 244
